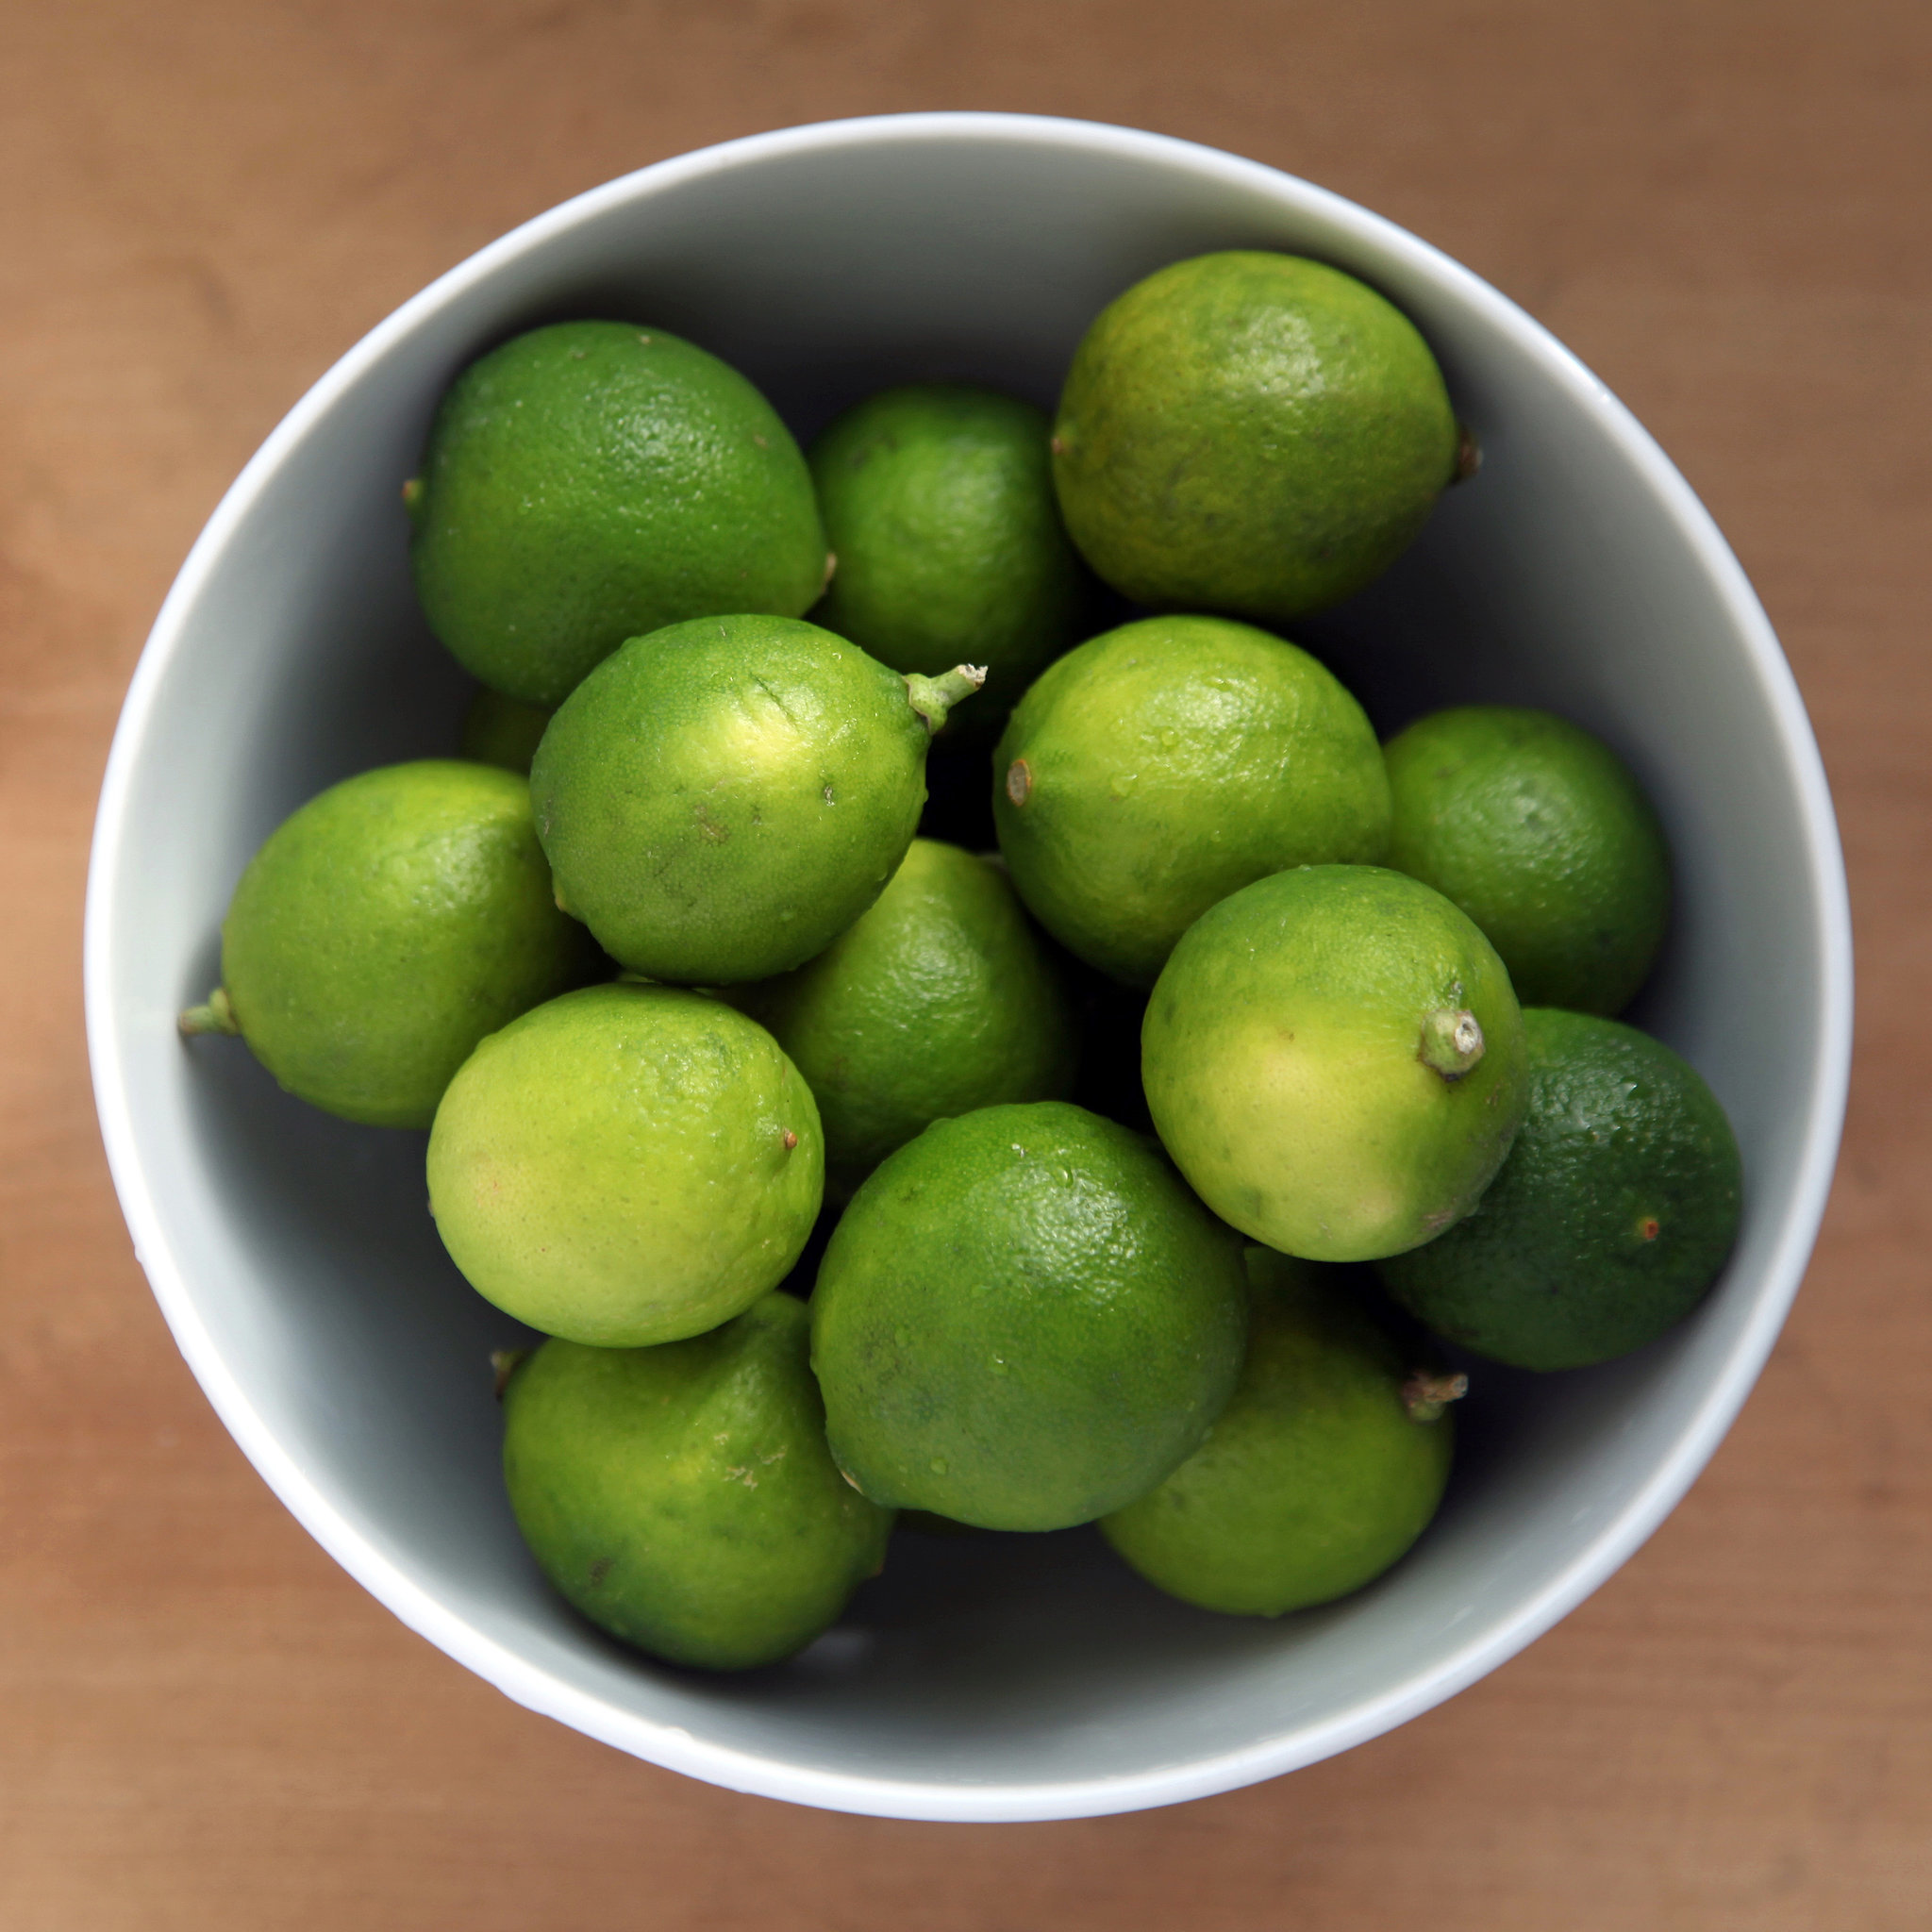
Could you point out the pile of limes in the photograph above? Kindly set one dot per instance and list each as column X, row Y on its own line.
column 701, row 1026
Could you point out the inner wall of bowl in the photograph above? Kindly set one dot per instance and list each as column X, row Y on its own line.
column 302, row 1247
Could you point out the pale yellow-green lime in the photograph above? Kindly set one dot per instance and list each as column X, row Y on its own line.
column 682, row 1496
column 1540, row 834
column 1162, row 766
column 383, row 930
column 1323, row 1470
column 1250, row 432
column 938, row 999
column 1024, row 1320
column 722, row 799
column 626, row 1165
column 590, row 482
column 1335, row 1059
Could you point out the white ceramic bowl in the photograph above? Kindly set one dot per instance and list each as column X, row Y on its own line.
column 1005, row 1677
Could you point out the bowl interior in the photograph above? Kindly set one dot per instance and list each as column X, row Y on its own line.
column 1005, row 1676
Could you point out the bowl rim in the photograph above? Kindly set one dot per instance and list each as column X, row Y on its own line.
column 671, row 1746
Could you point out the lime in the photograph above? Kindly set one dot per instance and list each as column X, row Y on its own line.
column 682, row 1496
column 1250, row 432
column 938, row 1000
column 383, row 930
column 1162, row 766
column 590, row 482
column 1023, row 1321
column 722, row 799
column 1323, row 1470
column 938, row 504
column 1612, row 1215
column 626, row 1165
column 502, row 731
column 1335, row 1060
column 1539, row 833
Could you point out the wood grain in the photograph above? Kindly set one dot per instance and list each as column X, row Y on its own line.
column 1721, row 205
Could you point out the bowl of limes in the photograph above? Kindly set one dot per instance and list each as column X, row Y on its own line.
column 1107, row 936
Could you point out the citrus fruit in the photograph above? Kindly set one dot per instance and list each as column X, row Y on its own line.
column 1023, row 1320
column 720, row 800
column 383, row 929
column 1539, row 833
column 590, row 482
column 1612, row 1217
column 682, row 1496
column 625, row 1165
column 938, row 504
column 1326, row 1464
column 1250, row 432
column 1335, row 1060
column 1163, row 765
column 502, row 731
column 937, row 999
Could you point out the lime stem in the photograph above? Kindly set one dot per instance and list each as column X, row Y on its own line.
column 503, row 1365
column 217, row 1016
column 1425, row 1395
column 1452, row 1042
column 1469, row 454
column 933, row 697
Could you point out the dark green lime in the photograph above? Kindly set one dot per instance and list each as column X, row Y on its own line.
column 1612, row 1217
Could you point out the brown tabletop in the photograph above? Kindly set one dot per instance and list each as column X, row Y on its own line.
column 1722, row 207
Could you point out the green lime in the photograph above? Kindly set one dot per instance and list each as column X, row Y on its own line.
column 591, row 481
column 383, row 930
column 1164, row 765
column 939, row 505
column 1323, row 1470
column 626, row 1165
column 502, row 731
column 682, row 1496
column 722, row 799
column 1335, row 1060
column 1539, row 833
column 1615, row 1211
column 1023, row 1321
column 938, row 999
column 1250, row 432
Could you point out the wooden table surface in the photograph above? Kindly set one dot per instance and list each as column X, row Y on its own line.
column 1722, row 205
